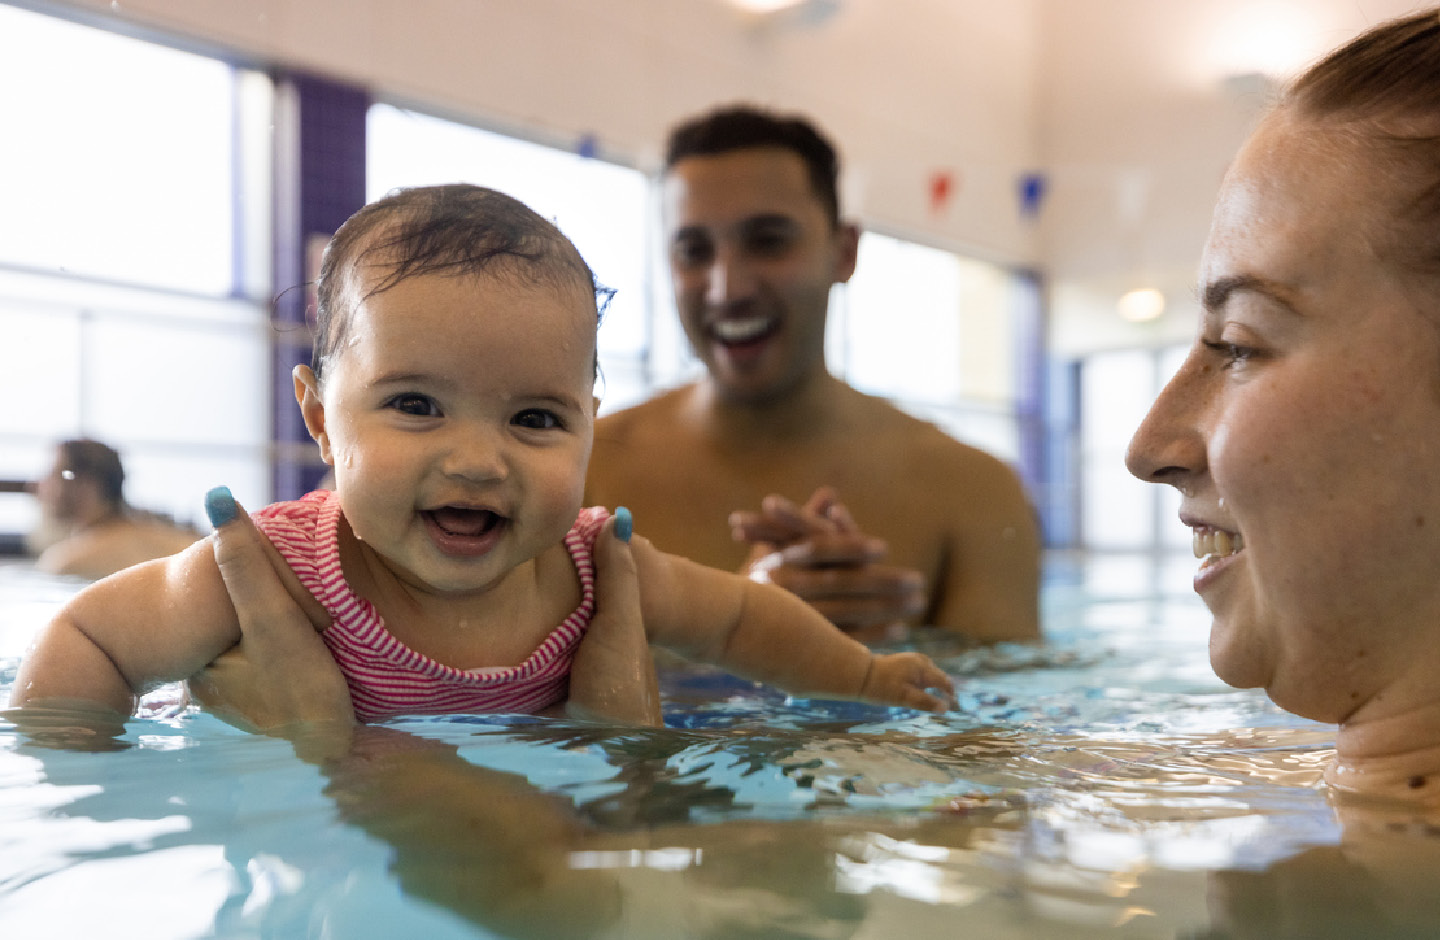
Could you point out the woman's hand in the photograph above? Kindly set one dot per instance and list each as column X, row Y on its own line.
column 613, row 675
column 280, row 678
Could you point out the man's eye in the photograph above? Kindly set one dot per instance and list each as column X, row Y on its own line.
column 410, row 403
column 767, row 242
column 689, row 252
column 536, row 419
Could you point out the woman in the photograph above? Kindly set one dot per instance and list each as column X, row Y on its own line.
column 1303, row 430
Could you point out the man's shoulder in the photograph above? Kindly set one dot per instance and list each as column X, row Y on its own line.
column 637, row 419
column 879, row 419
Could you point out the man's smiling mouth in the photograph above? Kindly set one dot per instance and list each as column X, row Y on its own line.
column 744, row 330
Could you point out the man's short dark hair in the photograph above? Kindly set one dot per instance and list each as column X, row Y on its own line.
column 92, row 460
column 744, row 127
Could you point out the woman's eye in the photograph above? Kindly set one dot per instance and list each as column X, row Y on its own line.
column 536, row 419
column 410, row 403
column 1232, row 353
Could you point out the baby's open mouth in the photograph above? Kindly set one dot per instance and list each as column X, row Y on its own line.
column 1214, row 544
column 469, row 523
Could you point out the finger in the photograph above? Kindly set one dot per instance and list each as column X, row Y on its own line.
column 756, row 527
column 250, row 565
column 821, row 501
column 837, row 549
column 844, row 522
column 613, row 673
column 932, row 689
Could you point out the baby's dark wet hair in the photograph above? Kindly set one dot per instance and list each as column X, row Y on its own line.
column 454, row 229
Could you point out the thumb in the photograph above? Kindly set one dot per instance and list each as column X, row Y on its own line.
column 613, row 675
column 250, row 566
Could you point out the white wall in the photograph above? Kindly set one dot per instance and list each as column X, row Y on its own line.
column 1123, row 103
column 1138, row 123
column 907, row 87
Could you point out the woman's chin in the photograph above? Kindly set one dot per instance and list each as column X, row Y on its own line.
column 1239, row 661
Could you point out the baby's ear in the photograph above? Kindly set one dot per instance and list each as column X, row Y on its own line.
column 312, row 409
column 595, row 406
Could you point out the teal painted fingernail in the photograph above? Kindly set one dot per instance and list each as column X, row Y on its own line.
column 220, row 506
column 624, row 524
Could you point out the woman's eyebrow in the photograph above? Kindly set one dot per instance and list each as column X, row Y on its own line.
column 1217, row 293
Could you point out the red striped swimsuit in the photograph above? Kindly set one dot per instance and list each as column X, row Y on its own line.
column 386, row 677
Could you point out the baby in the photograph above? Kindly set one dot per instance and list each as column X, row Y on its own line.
column 452, row 392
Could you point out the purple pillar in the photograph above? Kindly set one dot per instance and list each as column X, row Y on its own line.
column 319, row 182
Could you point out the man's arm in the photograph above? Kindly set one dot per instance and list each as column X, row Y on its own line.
column 990, row 582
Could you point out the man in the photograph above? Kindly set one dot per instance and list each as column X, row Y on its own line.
column 756, row 240
column 87, row 529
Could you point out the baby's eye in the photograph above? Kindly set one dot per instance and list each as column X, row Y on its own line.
column 537, row 419
column 413, row 403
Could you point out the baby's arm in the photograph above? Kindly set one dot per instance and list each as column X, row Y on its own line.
column 120, row 637
column 766, row 633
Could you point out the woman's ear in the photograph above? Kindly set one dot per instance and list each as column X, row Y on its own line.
column 312, row 409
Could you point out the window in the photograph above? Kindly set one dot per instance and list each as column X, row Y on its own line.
column 1118, row 511
column 931, row 331
column 125, row 260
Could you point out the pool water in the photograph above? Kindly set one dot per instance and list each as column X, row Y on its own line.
column 1106, row 785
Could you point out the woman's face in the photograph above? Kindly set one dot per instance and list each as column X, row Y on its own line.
column 1303, row 432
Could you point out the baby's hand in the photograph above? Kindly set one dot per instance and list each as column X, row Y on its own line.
column 905, row 679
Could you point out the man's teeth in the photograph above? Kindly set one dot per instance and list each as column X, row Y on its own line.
column 1216, row 542
column 739, row 331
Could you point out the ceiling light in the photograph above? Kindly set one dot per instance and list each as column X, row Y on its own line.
column 764, row 6
column 1142, row 305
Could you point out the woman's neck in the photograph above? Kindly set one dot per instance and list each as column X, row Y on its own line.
column 1394, row 754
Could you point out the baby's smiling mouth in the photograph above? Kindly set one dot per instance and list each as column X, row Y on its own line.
column 1214, row 544
column 464, row 523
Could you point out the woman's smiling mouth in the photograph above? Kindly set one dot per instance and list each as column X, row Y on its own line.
column 1214, row 544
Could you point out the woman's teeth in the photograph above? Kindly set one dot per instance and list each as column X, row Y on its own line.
column 1208, row 542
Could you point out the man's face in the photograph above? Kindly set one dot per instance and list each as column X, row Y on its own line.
column 752, row 257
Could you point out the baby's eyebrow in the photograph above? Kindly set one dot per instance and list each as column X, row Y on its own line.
column 406, row 378
column 1217, row 293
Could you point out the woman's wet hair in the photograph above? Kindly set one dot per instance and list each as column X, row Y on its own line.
column 454, row 229
column 91, row 460
column 1383, row 90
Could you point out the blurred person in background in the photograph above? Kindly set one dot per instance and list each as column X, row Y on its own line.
column 87, row 529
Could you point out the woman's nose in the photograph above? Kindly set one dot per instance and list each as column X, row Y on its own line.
column 1169, row 445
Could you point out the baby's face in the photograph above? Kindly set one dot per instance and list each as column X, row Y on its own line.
column 458, row 415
